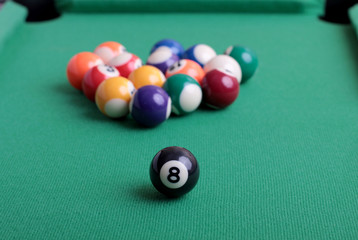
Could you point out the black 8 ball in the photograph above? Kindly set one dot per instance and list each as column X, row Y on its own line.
column 174, row 171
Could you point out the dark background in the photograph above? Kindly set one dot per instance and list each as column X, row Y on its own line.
column 41, row 10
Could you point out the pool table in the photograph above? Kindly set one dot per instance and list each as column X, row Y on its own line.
column 280, row 163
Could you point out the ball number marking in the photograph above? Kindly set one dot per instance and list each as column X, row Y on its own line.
column 108, row 70
column 174, row 174
column 131, row 88
column 177, row 66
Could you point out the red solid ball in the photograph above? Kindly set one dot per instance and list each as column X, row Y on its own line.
column 95, row 76
column 220, row 88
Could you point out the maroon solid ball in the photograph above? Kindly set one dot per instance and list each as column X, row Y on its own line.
column 220, row 88
column 95, row 76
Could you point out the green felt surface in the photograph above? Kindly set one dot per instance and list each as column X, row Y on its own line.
column 266, row 6
column 10, row 17
column 280, row 163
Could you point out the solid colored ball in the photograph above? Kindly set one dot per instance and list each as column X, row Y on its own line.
column 174, row 46
column 78, row 66
column 220, row 88
column 188, row 67
column 185, row 93
column 162, row 59
column 200, row 53
column 113, row 96
column 147, row 75
column 126, row 63
column 174, row 171
column 224, row 62
column 246, row 58
column 94, row 77
column 109, row 50
column 150, row 106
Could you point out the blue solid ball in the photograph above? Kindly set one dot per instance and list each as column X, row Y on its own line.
column 175, row 46
column 150, row 106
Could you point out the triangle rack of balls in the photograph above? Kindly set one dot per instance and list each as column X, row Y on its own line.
column 173, row 80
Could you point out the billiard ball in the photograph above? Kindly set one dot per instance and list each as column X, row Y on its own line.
column 150, row 106
column 113, row 96
column 188, row 67
column 147, row 75
column 174, row 171
column 185, row 93
column 162, row 58
column 220, row 88
column 94, row 77
column 225, row 62
column 109, row 50
column 246, row 58
column 175, row 46
column 200, row 53
column 126, row 63
column 78, row 66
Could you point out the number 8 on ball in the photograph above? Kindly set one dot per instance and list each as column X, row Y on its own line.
column 174, row 171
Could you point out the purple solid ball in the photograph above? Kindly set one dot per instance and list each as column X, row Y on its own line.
column 162, row 59
column 150, row 106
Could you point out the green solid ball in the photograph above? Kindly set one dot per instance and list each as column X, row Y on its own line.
column 246, row 58
column 185, row 92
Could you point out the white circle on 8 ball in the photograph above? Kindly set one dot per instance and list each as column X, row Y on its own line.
column 173, row 174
